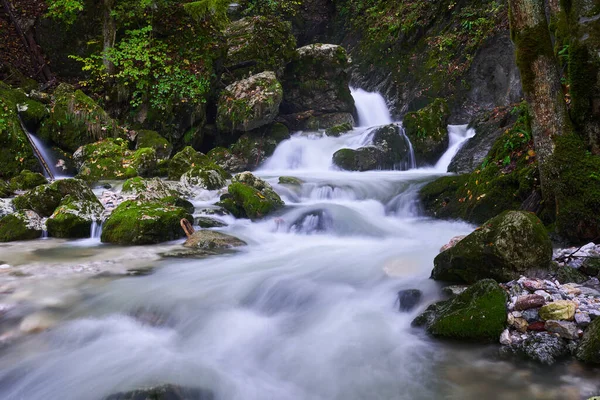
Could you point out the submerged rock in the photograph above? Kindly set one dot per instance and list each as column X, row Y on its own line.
column 512, row 244
column 137, row 223
column 409, row 299
column 164, row 392
column 250, row 197
column 478, row 313
column 250, row 103
column 24, row 225
column 212, row 240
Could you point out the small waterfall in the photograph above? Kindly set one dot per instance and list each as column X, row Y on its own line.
column 411, row 162
column 458, row 134
column 371, row 108
column 51, row 167
column 96, row 230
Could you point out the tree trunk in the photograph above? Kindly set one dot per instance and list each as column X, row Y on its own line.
column 541, row 82
column 109, row 32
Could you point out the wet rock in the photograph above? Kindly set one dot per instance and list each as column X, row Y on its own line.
column 529, row 301
column 409, row 299
column 137, row 223
column 250, row 103
column 558, row 310
column 589, row 347
column 582, row 319
column 250, row 197
column 317, row 80
column 164, row 392
column 290, row 180
column 27, row 180
column 44, row 199
column 505, row 338
column 512, row 244
column 74, row 218
column 183, row 161
column 153, row 140
column 204, row 177
column 454, row 290
column 150, row 189
column 564, row 329
column 541, row 347
column 428, row 131
column 591, row 266
column 452, row 242
column 531, row 315
column 362, row 159
column 24, row 225
column 479, row 313
column 208, row 222
column 212, row 240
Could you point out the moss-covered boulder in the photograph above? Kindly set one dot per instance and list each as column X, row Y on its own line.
column 317, row 80
column 184, row 160
column 512, row 244
column 250, row 197
column 74, row 218
column 212, row 240
column 427, row 130
column 24, row 225
column 153, row 140
column 290, row 180
column 204, row 177
column 478, row 313
column 362, row 159
column 249, row 103
column 75, row 120
column 251, row 149
column 112, row 159
column 151, row 189
column 589, row 347
column 15, row 152
column 257, row 44
column 137, row 223
column 27, row 180
column 337, row 130
column 44, row 199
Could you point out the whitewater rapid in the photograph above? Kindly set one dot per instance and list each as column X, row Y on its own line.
column 308, row 310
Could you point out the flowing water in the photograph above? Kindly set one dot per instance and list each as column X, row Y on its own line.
column 308, row 310
column 57, row 167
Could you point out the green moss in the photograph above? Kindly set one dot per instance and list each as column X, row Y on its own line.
column 184, row 160
column 576, row 185
column 254, row 204
column 478, row 313
column 73, row 218
column 15, row 227
column 44, row 199
column 531, row 43
column 427, row 130
column 75, row 120
column 27, row 180
column 152, row 139
column 338, row 129
column 5, row 190
column 135, row 223
column 210, row 177
column 589, row 348
column 290, row 180
column 111, row 159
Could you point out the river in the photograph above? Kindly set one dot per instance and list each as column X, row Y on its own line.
column 308, row 310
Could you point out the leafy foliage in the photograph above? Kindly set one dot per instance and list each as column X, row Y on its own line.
column 64, row 10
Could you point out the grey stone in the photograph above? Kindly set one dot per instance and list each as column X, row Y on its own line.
column 565, row 329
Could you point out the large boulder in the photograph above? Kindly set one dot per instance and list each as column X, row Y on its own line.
column 137, row 223
column 74, row 218
column 112, row 159
column 75, row 120
column 427, row 130
column 151, row 139
column 488, row 126
column 27, row 180
column 24, row 225
column 257, row 44
column 184, row 160
column 15, row 152
column 478, row 313
column 317, row 80
column 589, row 347
column 250, row 197
column 512, row 244
column 204, row 177
column 44, row 199
column 390, row 150
column 150, row 189
column 250, row 103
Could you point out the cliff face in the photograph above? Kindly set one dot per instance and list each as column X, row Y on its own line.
column 414, row 52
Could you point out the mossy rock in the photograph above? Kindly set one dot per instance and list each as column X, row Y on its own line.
column 478, row 313
column 290, row 180
column 361, row 159
column 137, row 223
column 512, row 244
column 250, row 103
column 111, row 159
column 250, row 197
column 337, row 130
column 184, row 160
column 333, row 123
column 73, row 219
column 591, row 266
column 151, row 189
column 44, row 199
column 15, row 151
column 25, row 225
column 266, row 41
column 204, row 177
column 27, row 180
column 427, row 130
column 588, row 350
column 154, row 140
column 75, row 120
